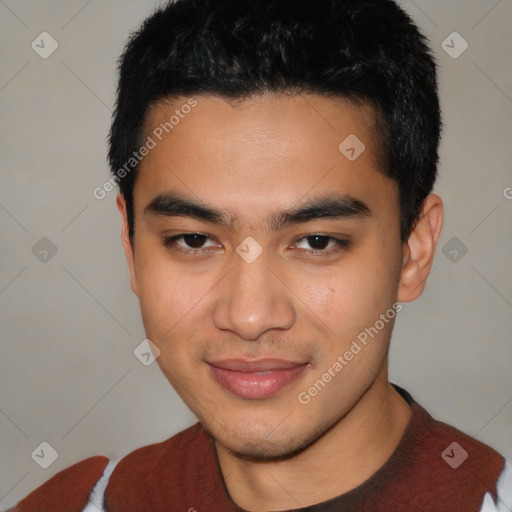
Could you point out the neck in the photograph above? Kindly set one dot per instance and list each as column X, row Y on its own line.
column 364, row 439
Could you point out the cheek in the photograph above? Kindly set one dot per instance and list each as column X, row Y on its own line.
column 175, row 310
column 355, row 296
column 165, row 295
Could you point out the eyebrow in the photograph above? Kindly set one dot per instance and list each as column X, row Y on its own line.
column 330, row 206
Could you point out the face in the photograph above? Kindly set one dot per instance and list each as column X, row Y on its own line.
column 262, row 253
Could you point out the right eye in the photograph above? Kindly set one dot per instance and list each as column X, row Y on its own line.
column 192, row 242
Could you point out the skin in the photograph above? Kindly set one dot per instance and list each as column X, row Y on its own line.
column 266, row 154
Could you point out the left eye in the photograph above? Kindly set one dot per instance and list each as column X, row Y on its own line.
column 321, row 243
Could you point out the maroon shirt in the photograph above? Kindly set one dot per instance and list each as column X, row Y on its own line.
column 182, row 474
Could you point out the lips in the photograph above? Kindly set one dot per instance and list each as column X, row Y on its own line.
column 256, row 380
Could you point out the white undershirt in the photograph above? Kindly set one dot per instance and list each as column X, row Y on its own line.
column 95, row 502
column 504, row 487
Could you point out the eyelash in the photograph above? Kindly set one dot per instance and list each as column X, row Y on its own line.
column 340, row 244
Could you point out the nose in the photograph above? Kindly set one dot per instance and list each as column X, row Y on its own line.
column 252, row 299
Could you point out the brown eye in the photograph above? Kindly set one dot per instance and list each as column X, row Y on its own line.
column 322, row 245
column 318, row 242
column 188, row 242
column 194, row 240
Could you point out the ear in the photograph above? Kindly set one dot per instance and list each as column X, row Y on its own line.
column 125, row 238
column 420, row 248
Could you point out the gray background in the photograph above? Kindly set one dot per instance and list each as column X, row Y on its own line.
column 69, row 325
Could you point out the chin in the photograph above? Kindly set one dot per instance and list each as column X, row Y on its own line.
column 263, row 450
column 251, row 443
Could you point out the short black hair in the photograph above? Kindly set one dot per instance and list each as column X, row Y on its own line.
column 362, row 50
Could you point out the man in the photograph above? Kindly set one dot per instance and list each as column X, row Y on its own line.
column 275, row 161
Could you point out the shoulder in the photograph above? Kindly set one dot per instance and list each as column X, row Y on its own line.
column 444, row 461
column 134, row 476
column 68, row 490
column 71, row 489
column 458, row 450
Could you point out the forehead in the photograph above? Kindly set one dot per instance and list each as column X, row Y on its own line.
column 266, row 150
column 264, row 117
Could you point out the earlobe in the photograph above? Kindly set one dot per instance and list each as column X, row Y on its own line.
column 419, row 250
column 125, row 238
